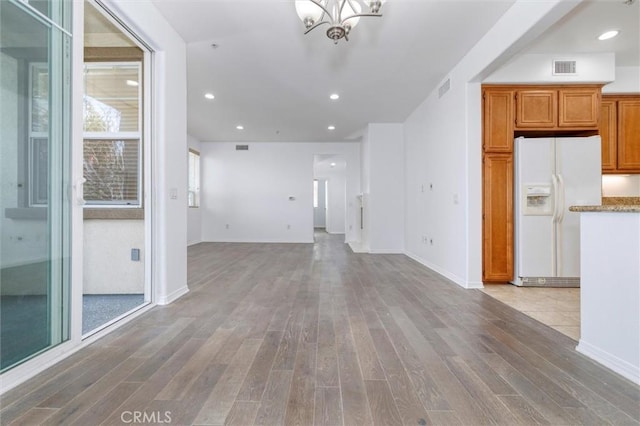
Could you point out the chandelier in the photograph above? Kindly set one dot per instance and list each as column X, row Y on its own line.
column 341, row 15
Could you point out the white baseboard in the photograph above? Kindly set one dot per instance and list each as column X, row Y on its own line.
column 386, row 251
column 173, row 296
column 452, row 277
column 612, row 362
column 193, row 243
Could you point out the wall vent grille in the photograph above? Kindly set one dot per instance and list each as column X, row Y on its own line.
column 444, row 88
column 242, row 147
column 564, row 68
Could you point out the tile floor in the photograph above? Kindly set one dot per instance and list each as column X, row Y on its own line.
column 559, row 308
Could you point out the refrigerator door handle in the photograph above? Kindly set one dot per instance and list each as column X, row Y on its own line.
column 554, row 180
column 561, row 197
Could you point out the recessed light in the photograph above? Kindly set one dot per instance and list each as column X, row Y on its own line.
column 240, row 127
column 609, row 34
column 209, row 95
column 333, row 164
column 331, row 127
column 132, row 83
column 334, row 97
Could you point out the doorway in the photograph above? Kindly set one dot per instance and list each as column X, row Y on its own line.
column 329, row 193
column 116, row 278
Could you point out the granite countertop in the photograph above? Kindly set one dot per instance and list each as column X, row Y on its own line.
column 607, row 209
column 612, row 204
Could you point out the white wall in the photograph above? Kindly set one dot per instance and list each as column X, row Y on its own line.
column 621, row 185
column 249, row 190
column 170, row 144
column 386, row 188
column 443, row 139
column 627, row 81
column 194, row 215
column 537, row 68
column 108, row 268
column 610, row 314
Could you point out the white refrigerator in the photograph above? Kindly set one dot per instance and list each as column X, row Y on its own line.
column 551, row 175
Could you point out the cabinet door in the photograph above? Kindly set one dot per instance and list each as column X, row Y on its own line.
column 578, row 107
column 497, row 218
column 607, row 129
column 629, row 135
column 536, row 109
column 498, row 120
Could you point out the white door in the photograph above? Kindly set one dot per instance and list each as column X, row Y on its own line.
column 319, row 203
column 578, row 166
column 534, row 231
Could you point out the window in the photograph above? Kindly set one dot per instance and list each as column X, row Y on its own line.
column 113, row 134
column 38, row 134
column 194, row 178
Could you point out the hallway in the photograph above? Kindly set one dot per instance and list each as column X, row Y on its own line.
column 313, row 334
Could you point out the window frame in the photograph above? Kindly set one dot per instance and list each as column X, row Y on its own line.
column 121, row 136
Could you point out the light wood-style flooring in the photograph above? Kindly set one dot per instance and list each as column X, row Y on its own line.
column 307, row 334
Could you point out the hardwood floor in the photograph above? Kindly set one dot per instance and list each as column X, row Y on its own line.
column 307, row 334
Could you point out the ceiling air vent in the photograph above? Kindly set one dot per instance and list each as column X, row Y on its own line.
column 242, row 147
column 564, row 68
column 444, row 88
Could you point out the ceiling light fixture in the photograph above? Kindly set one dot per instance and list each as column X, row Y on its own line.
column 331, row 127
column 334, row 97
column 341, row 15
column 240, row 127
column 609, row 34
column 209, row 96
column 333, row 164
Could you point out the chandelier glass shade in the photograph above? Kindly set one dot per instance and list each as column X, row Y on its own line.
column 340, row 15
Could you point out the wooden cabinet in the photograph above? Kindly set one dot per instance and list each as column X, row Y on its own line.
column 497, row 219
column 620, row 132
column 608, row 134
column 527, row 110
column 629, row 135
column 498, row 119
column 536, row 109
column 578, row 107
column 563, row 108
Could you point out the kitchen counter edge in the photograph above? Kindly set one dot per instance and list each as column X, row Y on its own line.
column 606, row 209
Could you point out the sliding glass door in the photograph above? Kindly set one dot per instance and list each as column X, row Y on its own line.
column 35, row 62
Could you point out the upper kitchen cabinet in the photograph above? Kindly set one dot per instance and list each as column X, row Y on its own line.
column 620, row 132
column 536, row 108
column 498, row 110
column 557, row 107
column 629, row 135
column 608, row 130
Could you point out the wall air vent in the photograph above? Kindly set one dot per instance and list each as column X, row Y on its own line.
column 564, row 68
column 242, row 147
column 444, row 88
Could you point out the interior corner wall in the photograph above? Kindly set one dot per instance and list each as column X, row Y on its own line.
column 443, row 154
column 627, row 81
column 385, row 201
column 265, row 194
column 194, row 215
column 170, row 144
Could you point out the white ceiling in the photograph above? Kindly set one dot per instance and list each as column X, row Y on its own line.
column 275, row 81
